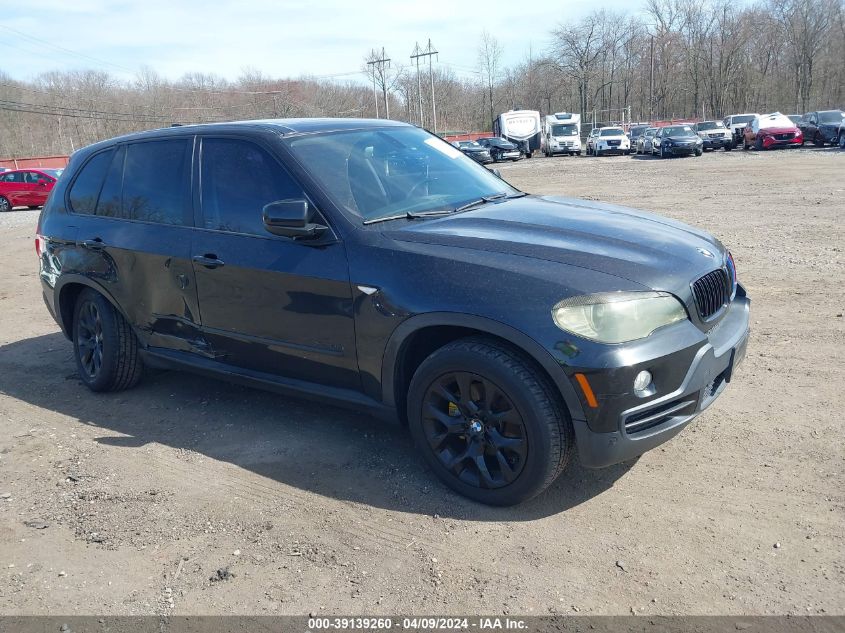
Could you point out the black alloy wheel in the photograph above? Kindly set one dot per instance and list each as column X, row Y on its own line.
column 487, row 421
column 106, row 350
column 474, row 430
column 89, row 339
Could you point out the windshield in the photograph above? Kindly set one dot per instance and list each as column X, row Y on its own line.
column 833, row 116
column 564, row 129
column 677, row 130
column 710, row 125
column 382, row 172
column 638, row 131
column 471, row 144
column 745, row 118
column 612, row 131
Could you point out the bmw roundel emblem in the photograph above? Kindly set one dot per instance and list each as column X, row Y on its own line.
column 706, row 253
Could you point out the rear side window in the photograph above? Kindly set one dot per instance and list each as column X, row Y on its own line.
column 238, row 179
column 86, row 188
column 155, row 182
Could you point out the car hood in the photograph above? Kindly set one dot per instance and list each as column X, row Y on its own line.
column 778, row 130
column 656, row 252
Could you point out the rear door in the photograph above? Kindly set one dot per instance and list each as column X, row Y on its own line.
column 134, row 233
column 268, row 303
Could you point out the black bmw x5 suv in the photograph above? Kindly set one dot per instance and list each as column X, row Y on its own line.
column 371, row 264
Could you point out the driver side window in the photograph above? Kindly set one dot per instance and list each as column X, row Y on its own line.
column 238, row 179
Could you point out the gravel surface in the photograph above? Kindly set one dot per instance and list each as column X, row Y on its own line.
column 187, row 495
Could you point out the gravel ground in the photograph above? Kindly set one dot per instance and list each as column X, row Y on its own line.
column 188, row 495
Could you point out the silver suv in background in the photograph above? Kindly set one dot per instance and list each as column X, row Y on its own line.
column 736, row 124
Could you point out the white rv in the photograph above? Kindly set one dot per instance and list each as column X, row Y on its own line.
column 562, row 134
column 520, row 127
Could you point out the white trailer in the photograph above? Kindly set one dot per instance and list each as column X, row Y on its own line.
column 520, row 127
column 562, row 134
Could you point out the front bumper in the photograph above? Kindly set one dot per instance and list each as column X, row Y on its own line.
column 607, row 149
column 511, row 154
column 716, row 143
column 631, row 426
column 681, row 150
column 770, row 142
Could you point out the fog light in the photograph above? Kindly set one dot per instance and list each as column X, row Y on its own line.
column 642, row 381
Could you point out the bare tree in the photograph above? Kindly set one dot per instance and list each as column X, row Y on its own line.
column 489, row 59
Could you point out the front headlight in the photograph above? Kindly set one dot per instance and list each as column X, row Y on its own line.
column 617, row 317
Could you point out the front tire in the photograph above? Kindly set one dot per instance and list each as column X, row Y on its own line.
column 5, row 205
column 487, row 422
column 105, row 348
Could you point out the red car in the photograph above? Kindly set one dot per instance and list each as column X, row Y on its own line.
column 26, row 187
column 766, row 131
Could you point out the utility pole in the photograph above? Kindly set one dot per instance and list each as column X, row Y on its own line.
column 415, row 55
column 378, row 66
column 651, row 81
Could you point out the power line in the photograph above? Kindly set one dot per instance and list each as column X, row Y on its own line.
column 66, row 50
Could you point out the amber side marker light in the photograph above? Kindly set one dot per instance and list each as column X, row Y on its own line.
column 588, row 391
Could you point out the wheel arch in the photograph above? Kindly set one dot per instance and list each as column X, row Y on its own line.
column 417, row 337
column 66, row 292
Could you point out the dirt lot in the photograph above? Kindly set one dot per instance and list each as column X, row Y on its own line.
column 130, row 503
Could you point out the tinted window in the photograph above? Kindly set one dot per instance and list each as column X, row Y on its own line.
column 156, row 183
column 238, row 180
column 86, row 187
column 109, row 203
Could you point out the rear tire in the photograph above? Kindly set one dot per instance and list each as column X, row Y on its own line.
column 5, row 205
column 105, row 348
column 487, row 422
column 728, row 147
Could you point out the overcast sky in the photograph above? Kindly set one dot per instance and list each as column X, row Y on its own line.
column 287, row 38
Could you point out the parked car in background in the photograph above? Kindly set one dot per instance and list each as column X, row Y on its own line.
column 500, row 149
column 821, row 127
column 26, row 187
column 475, row 151
column 371, row 264
column 768, row 131
column 636, row 131
column 736, row 124
column 644, row 141
column 714, row 135
column 608, row 140
column 677, row 140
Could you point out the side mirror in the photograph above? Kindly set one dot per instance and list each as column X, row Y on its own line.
column 291, row 218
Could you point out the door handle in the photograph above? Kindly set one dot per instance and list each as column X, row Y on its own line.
column 208, row 260
column 95, row 244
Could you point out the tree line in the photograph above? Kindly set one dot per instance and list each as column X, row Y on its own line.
column 674, row 59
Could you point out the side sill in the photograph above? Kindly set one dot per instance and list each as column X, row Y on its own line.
column 172, row 359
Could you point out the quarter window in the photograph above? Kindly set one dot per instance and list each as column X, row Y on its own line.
column 238, row 180
column 109, row 204
column 86, row 188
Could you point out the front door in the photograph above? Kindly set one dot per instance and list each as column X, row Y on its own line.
column 268, row 304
